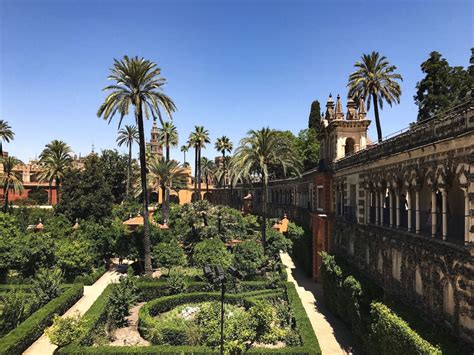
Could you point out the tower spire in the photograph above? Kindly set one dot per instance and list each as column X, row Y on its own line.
column 330, row 108
column 339, row 113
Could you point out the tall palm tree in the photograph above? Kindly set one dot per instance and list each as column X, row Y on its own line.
column 167, row 175
column 168, row 136
column 208, row 170
column 138, row 83
column 55, row 159
column 128, row 136
column 6, row 134
column 257, row 154
column 198, row 139
column 184, row 149
column 375, row 80
column 223, row 145
column 10, row 179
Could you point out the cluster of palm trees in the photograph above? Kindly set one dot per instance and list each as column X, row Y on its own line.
column 10, row 179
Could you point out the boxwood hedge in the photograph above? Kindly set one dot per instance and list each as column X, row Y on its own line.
column 25, row 334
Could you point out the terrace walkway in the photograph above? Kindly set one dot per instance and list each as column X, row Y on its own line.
column 42, row 346
column 333, row 336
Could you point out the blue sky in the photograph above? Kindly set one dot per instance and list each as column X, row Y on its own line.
column 231, row 65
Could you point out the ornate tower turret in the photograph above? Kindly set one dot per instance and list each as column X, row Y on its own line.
column 330, row 108
column 351, row 110
column 362, row 110
column 155, row 147
column 339, row 113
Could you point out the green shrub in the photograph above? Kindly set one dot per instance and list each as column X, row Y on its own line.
column 65, row 330
column 212, row 252
column 91, row 278
column 124, row 294
column 47, row 285
column 249, row 257
column 176, row 283
column 391, row 335
column 168, row 255
column 20, row 338
column 276, row 243
column 302, row 250
column 15, row 306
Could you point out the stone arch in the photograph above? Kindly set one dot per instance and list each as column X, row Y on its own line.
column 396, row 264
column 349, row 146
column 448, row 298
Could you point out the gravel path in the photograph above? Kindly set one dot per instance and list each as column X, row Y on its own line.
column 333, row 336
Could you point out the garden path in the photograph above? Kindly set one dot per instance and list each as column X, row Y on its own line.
column 333, row 336
column 42, row 346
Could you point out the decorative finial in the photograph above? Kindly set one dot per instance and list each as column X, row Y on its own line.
column 339, row 113
column 362, row 110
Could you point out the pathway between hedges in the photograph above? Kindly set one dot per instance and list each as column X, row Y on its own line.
column 42, row 346
column 333, row 336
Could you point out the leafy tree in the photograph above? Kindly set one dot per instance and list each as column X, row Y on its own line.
column 114, row 167
column 223, row 145
column 198, row 139
column 308, row 147
column 442, row 88
column 10, row 179
column 11, row 250
column 37, row 252
column 212, row 252
column 257, row 154
column 249, row 257
column 375, row 80
column 75, row 256
column 138, row 83
column 314, row 120
column 276, row 242
column 55, row 159
column 102, row 236
column 58, row 227
column 86, row 193
column 6, row 134
column 128, row 136
column 168, row 255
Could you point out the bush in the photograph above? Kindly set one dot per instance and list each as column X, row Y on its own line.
column 176, row 283
column 168, row 255
column 20, row 338
column 212, row 252
column 16, row 306
column 302, row 250
column 392, row 335
column 124, row 294
column 47, row 285
column 249, row 257
column 75, row 256
column 276, row 242
column 91, row 278
column 65, row 330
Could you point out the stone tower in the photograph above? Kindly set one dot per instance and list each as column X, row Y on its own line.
column 341, row 135
column 156, row 148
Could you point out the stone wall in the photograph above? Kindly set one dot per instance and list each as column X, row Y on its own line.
column 434, row 276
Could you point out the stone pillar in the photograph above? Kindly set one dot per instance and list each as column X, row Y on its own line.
column 467, row 217
column 433, row 213
column 376, row 207
column 409, row 203
column 390, row 203
column 381, row 206
column 417, row 211
column 397, row 206
column 444, row 211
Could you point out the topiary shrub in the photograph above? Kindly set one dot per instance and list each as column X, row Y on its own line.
column 212, row 252
column 249, row 257
column 65, row 330
column 168, row 255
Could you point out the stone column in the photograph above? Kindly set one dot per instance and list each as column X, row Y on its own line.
column 397, row 206
column 409, row 210
column 376, row 207
column 433, row 213
column 381, row 206
column 390, row 210
column 466, row 216
column 444, row 212
column 417, row 211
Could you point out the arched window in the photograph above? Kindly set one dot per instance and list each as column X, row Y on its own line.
column 349, row 147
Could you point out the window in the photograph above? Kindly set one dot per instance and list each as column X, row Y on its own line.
column 349, row 147
column 320, row 198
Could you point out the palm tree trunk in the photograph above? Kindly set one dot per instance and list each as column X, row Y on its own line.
column 6, row 189
column 199, row 173
column 377, row 118
column 223, row 156
column 146, row 229
column 207, row 183
column 264, row 211
column 129, row 170
column 167, row 149
column 195, row 167
column 57, row 191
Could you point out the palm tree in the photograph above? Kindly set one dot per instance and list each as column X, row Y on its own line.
column 6, row 134
column 375, row 80
column 168, row 136
column 208, row 169
column 55, row 159
column 138, row 83
column 10, row 179
column 184, row 149
column 198, row 140
column 223, row 145
column 128, row 136
column 257, row 154
column 167, row 175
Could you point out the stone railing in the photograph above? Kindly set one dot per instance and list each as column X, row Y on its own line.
column 451, row 124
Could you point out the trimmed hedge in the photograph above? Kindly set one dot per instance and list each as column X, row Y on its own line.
column 95, row 316
column 390, row 332
column 26, row 333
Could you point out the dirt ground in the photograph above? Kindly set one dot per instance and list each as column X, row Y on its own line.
column 129, row 335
